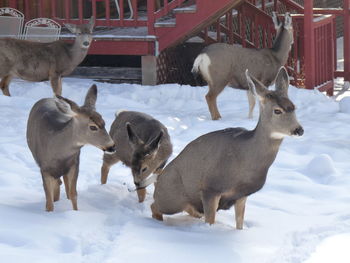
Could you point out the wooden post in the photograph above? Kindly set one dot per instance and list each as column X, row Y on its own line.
column 80, row 11
column 67, row 10
column 149, row 70
column 346, row 40
column 13, row 3
column 309, row 45
column 150, row 17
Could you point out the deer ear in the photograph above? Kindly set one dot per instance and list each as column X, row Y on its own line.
column 275, row 21
column 71, row 27
column 133, row 138
column 287, row 21
column 66, row 106
column 91, row 23
column 282, row 81
column 154, row 143
column 91, row 97
column 256, row 87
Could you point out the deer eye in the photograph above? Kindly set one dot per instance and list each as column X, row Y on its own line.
column 144, row 169
column 93, row 128
column 277, row 111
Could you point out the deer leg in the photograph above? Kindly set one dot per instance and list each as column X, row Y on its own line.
column 155, row 213
column 210, row 205
column 251, row 101
column 211, row 101
column 141, row 193
column 104, row 172
column 108, row 161
column 239, row 212
column 72, row 177
column 49, row 185
column 56, row 84
column 193, row 212
column 4, row 85
column 57, row 190
column 66, row 185
column 169, row 198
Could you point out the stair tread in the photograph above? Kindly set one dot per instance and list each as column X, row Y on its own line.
column 186, row 9
column 168, row 22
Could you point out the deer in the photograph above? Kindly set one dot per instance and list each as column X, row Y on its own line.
column 36, row 61
column 144, row 145
column 57, row 129
column 221, row 64
column 221, row 169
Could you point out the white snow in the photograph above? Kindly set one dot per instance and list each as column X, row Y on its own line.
column 301, row 215
column 344, row 105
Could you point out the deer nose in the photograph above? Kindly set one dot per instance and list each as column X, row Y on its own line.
column 136, row 184
column 111, row 149
column 86, row 43
column 298, row 131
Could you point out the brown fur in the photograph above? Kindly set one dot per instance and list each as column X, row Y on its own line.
column 239, row 212
column 56, row 131
column 144, row 146
column 220, row 169
column 222, row 64
column 35, row 61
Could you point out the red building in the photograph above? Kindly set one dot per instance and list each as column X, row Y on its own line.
column 153, row 28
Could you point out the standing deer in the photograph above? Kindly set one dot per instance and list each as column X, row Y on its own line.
column 36, row 61
column 222, row 168
column 143, row 145
column 221, row 64
column 57, row 129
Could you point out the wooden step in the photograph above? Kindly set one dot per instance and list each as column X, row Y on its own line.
column 188, row 10
column 169, row 22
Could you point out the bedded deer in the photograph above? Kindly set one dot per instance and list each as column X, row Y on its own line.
column 35, row 61
column 143, row 145
column 222, row 168
column 222, row 64
column 56, row 131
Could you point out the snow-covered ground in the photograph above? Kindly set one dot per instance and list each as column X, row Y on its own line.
column 301, row 215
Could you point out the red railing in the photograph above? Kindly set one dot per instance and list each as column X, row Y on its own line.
column 246, row 24
column 261, row 31
column 324, row 49
column 106, row 12
column 322, row 53
column 345, row 14
column 318, row 45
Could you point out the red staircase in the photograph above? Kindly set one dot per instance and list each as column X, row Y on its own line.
column 189, row 20
column 144, row 31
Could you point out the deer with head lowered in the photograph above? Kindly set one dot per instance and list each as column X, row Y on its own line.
column 143, row 145
column 222, row 168
column 56, row 131
column 35, row 61
column 222, row 64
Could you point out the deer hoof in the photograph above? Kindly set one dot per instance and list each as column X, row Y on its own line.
column 156, row 214
column 216, row 117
